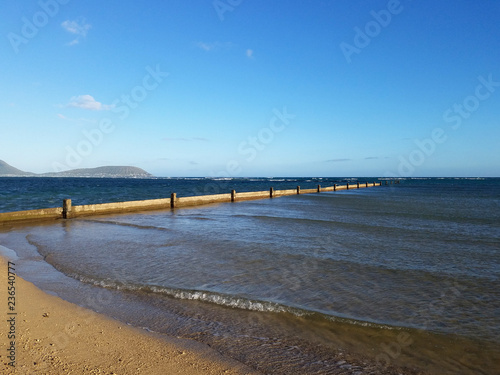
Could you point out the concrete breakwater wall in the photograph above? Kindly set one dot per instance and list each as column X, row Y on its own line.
column 68, row 211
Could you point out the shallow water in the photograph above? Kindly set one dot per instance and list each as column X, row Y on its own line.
column 348, row 269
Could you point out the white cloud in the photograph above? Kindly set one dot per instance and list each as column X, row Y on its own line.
column 73, row 42
column 249, row 53
column 206, row 46
column 88, row 102
column 213, row 46
column 79, row 28
column 76, row 27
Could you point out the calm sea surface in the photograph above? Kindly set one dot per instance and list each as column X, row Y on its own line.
column 351, row 268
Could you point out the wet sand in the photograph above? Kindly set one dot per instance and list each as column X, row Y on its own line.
column 54, row 336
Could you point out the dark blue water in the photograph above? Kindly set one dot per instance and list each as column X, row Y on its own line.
column 423, row 254
column 26, row 193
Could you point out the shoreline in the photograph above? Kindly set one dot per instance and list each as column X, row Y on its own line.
column 57, row 337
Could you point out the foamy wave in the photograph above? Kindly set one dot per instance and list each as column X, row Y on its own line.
column 233, row 302
column 195, row 295
column 220, row 299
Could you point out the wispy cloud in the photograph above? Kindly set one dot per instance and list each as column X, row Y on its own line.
column 205, row 46
column 62, row 117
column 212, row 46
column 79, row 28
column 249, row 53
column 377, row 157
column 73, row 42
column 337, row 160
column 88, row 102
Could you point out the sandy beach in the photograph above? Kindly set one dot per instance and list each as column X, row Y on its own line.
column 53, row 336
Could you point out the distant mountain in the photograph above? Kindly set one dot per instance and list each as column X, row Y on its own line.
column 7, row 170
column 113, row 171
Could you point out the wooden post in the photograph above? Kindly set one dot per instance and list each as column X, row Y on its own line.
column 173, row 198
column 233, row 195
column 271, row 192
column 66, row 208
column 348, row 186
column 357, row 184
column 319, row 188
column 367, row 184
column 334, row 187
column 298, row 189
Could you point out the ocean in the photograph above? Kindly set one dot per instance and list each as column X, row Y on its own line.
column 402, row 278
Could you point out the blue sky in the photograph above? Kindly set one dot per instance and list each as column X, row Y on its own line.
column 252, row 88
